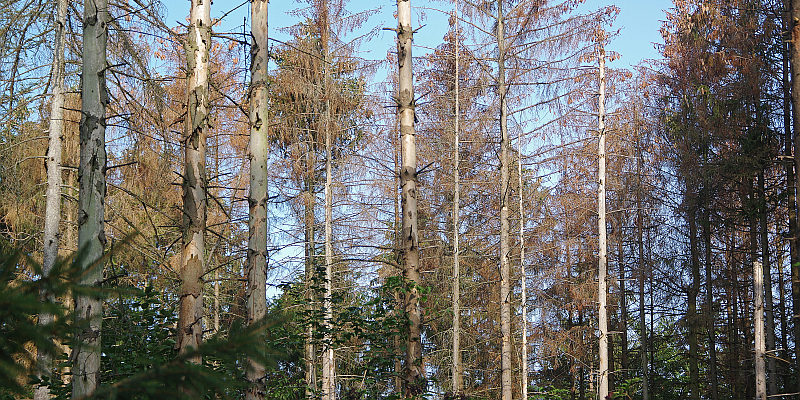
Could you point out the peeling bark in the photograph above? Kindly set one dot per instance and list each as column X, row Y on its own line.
column 92, row 182
column 190, row 313
column 52, row 219
column 414, row 382
column 257, row 263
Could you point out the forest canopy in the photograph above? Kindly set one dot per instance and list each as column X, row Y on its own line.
column 269, row 210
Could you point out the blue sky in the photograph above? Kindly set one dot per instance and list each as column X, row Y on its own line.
column 639, row 21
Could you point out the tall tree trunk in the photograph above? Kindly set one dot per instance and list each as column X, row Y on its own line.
column 691, row 316
column 92, row 192
column 758, row 318
column 53, row 203
column 311, row 275
column 328, row 359
column 794, row 25
column 769, row 314
column 505, row 267
column 259, row 195
column 190, row 316
column 602, row 290
column 623, row 309
column 791, row 206
column 457, row 370
column 413, row 370
column 642, row 274
column 523, row 276
column 709, row 311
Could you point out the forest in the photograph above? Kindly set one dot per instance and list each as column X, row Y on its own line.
column 212, row 209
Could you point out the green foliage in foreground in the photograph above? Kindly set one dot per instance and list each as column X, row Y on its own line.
column 149, row 371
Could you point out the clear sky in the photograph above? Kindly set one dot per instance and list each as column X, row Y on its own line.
column 639, row 21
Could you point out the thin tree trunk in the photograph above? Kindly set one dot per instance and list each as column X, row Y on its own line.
column 794, row 22
column 328, row 360
column 458, row 379
column 603, row 375
column 758, row 317
column 53, row 203
column 710, row 315
column 190, row 317
column 769, row 315
column 523, row 277
column 691, row 316
column 310, row 278
column 791, row 206
column 259, row 195
column 413, row 371
column 505, row 268
column 623, row 309
column 92, row 178
column 642, row 273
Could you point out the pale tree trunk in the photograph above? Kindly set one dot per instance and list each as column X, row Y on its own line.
column 328, row 358
column 794, row 18
column 505, row 268
column 602, row 287
column 52, row 219
column 92, row 192
column 413, row 374
column 457, row 370
column 758, row 316
column 523, row 278
column 794, row 257
column 310, row 360
column 259, row 195
column 190, row 317
column 642, row 274
column 769, row 313
column 691, row 314
column 709, row 311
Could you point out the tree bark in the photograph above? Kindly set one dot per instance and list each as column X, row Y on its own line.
column 457, row 380
column 642, row 274
column 758, row 318
column 505, row 267
column 190, row 316
column 328, row 359
column 523, row 277
column 414, row 380
column 603, row 376
column 692, row 319
column 794, row 46
column 52, row 219
column 709, row 311
column 769, row 315
column 791, row 206
column 259, row 194
column 92, row 182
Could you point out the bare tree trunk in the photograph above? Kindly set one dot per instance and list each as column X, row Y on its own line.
column 259, row 194
column 44, row 367
column 691, row 314
column 709, row 311
column 791, row 206
column 642, row 274
column 505, row 267
column 190, row 316
column 523, row 277
column 413, row 373
column 458, row 379
column 758, row 317
column 769, row 314
column 328, row 359
column 601, row 227
column 794, row 46
column 92, row 192
column 310, row 278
